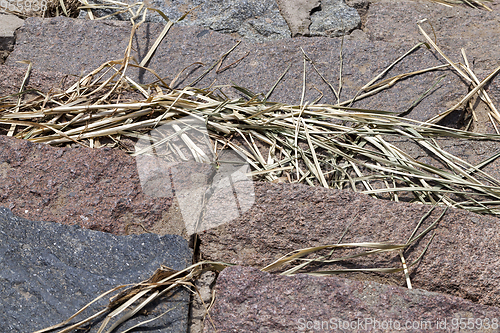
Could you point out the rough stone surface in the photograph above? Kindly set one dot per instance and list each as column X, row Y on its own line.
column 101, row 189
column 255, row 20
column 297, row 14
column 97, row 189
column 76, row 47
column 334, row 19
column 478, row 31
column 463, row 257
column 252, row 301
column 8, row 25
column 11, row 78
column 49, row 271
column 462, row 260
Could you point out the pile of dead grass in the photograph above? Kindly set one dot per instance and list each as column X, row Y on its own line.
column 334, row 146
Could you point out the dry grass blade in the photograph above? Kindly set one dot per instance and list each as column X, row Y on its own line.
column 23, row 84
column 217, row 63
column 323, row 78
column 137, row 296
column 147, row 321
column 466, row 98
column 153, row 48
column 471, row 3
column 332, row 152
column 484, row 95
column 79, row 312
column 374, row 248
column 277, row 82
column 317, row 168
column 372, row 81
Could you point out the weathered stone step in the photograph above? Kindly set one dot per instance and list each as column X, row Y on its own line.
column 99, row 189
column 462, row 259
column 248, row 300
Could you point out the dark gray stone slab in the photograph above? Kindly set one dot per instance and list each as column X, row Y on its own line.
column 49, row 271
column 248, row 300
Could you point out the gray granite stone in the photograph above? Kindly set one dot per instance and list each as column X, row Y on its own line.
column 49, row 271
column 334, row 19
column 256, row 20
column 327, row 18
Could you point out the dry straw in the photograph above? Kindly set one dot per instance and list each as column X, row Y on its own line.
column 334, row 146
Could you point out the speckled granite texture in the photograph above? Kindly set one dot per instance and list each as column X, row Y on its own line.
column 248, row 300
column 461, row 260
